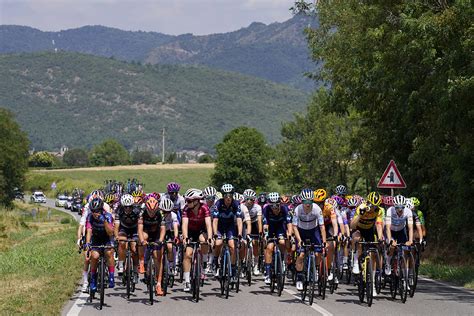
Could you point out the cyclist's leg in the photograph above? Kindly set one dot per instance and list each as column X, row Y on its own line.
column 122, row 247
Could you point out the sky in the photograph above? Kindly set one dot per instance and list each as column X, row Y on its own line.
column 173, row 17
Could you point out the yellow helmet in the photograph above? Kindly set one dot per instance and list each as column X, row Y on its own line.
column 137, row 193
column 320, row 195
column 374, row 198
column 109, row 197
column 415, row 201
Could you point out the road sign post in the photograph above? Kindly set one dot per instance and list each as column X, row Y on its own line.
column 391, row 178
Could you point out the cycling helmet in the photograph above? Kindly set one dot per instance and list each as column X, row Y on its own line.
column 138, row 199
column 285, row 199
column 137, row 193
column 173, row 187
column 320, row 195
column 109, row 198
column 227, row 188
column 415, row 201
column 166, row 205
column 209, row 192
column 332, row 201
column 155, row 195
column 409, row 204
column 307, row 194
column 262, row 198
column 117, row 197
column 374, row 198
column 193, row 194
column 341, row 190
column 97, row 193
column 219, row 195
column 96, row 204
column 126, row 200
column 238, row 197
column 338, row 199
column 250, row 194
column 151, row 203
column 273, row 197
column 353, row 202
column 399, row 201
column 296, row 200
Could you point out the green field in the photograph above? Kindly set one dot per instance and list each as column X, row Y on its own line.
column 153, row 179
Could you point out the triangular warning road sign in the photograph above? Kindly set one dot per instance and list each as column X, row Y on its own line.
column 391, row 178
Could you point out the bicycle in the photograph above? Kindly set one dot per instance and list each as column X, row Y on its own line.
column 249, row 258
column 238, row 266
column 102, row 275
column 334, row 269
column 400, row 277
column 310, row 275
column 167, row 275
column 277, row 271
column 225, row 268
column 323, row 274
column 418, row 248
column 150, row 274
column 366, row 275
column 130, row 276
column 196, row 268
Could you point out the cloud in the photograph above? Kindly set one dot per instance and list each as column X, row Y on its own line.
column 171, row 17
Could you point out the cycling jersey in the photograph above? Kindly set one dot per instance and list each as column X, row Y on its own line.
column 370, row 216
column 397, row 222
column 128, row 219
column 151, row 224
column 179, row 204
column 310, row 220
column 97, row 225
column 170, row 219
column 252, row 213
column 87, row 212
column 420, row 217
column 276, row 222
column 196, row 221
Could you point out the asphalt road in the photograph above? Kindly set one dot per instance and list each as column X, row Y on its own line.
column 432, row 298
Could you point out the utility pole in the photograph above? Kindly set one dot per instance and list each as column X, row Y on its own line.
column 163, row 146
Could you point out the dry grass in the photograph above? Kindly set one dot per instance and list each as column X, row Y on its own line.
column 183, row 166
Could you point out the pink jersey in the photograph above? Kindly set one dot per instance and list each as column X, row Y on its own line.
column 197, row 222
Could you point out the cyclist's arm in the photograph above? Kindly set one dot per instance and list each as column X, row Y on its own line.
column 208, row 222
column 379, row 228
column 260, row 226
column 109, row 224
column 79, row 231
column 239, row 226
column 162, row 231
column 334, row 225
column 355, row 220
column 141, row 236
column 185, row 222
column 116, row 228
column 388, row 224
column 289, row 230
column 176, row 229
column 297, row 233
column 322, row 229
column 88, row 235
column 215, row 221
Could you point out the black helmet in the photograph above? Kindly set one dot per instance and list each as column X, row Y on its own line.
column 262, row 198
column 96, row 204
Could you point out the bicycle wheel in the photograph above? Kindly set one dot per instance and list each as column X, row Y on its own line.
column 412, row 275
column 166, row 274
column 403, row 281
column 180, row 262
column 228, row 269
column 249, row 266
column 322, row 278
column 238, row 270
column 369, row 288
column 128, row 263
column 332, row 283
column 150, row 268
column 197, row 276
column 312, row 279
column 361, row 284
column 102, row 280
column 280, row 275
column 349, row 268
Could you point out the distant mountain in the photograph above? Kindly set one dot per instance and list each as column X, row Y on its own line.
column 276, row 52
column 76, row 99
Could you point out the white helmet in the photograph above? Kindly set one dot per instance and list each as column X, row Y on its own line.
column 127, row 200
column 409, row 204
column 250, row 194
column 193, row 194
column 238, row 197
column 341, row 190
column 209, row 192
column 307, row 194
column 399, row 201
column 227, row 188
column 273, row 197
column 219, row 195
column 166, row 205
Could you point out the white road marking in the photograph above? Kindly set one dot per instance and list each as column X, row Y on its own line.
column 316, row 307
column 447, row 285
column 78, row 304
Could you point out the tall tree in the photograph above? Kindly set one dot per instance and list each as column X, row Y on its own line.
column 13, row 158
column 76, row 157
column 242, row 159
column 109, row 153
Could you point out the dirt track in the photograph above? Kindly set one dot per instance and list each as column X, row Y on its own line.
column 137, row 167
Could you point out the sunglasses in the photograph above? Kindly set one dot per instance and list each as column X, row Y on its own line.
column 189, row 201
column 96, row 211
column 250, row 199
column 210, row 198
column 275, row 205
column 307, row 202
column 228, row 195
column 172, row 193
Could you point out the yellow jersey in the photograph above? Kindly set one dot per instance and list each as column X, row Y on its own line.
column 370, row 217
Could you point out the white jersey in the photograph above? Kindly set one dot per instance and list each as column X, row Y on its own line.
column 252, row 213
column 310, row 220
column 398, row 223
column 170, row 219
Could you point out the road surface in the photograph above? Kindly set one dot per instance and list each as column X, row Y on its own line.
column 432, row 298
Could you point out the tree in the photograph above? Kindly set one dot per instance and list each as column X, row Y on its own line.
column 41, row 159
column 242, row 159
column 109, row 153
column 14, row 158
column 142, row 157
column 76, row 157
column 206, row 158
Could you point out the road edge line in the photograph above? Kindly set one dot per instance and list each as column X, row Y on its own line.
column 459, row 288
column 316, row 307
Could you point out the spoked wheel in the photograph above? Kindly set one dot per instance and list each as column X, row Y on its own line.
column 312, row 281
column 369, row 288
column 227, row 277
column 332, row 283
column 322, row 278
column 403, row 281
column 197, row 277
column 361, row 287
column 180, row 263
column 102, row 281
column 378, row 281
column 394, row 284
column 249, row 266
column 128, row 273
column 280, row 274
column 150, row 274
column 166, row 275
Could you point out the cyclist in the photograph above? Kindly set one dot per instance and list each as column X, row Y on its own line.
column 256, row 227
column 173, row 194
column 172, row 226
column 100, row 232
column 367, row 221
column 412, row 204
column 262, row 199
column 332, row 220
column 276, row 224
column 308, row 224
column 197, row 227
column 398, row 219
column 226, row 216
column 126, row 224
column 210, row 195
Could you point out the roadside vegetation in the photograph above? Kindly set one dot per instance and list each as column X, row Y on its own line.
column 39, row 263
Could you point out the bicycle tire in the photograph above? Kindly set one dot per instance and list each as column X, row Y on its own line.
column 279, row 274
column 323, row 278
column 332, row 283
column 102, row 280
column 249, row 265
column 129, row 274
column 228, row 269
column 312, row 279
column 166, row 276
column 180, row 263
column 197, row 276
column 222, row 274
column 369, row 288
column 150, row 275
column 403, row 282
column 361, row 284
column 412, row 275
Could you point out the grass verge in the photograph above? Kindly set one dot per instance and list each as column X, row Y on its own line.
column 459, row 275
column 39, row 263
